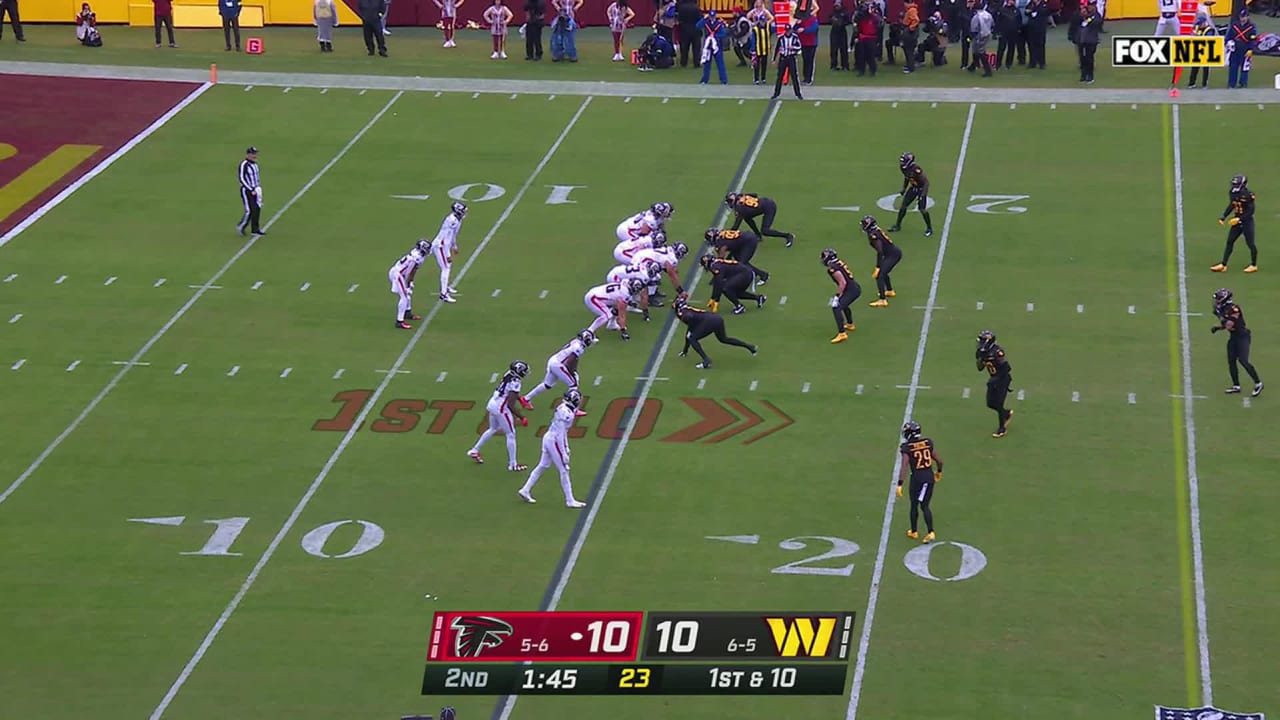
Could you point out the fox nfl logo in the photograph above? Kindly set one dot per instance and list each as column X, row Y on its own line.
column 1169, row 51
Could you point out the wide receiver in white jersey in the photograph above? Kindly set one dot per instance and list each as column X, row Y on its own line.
column 401, row 276
column 1167, row 24
column 503, row 415
column 609, row 304
column 646, row 272
column 445, row 248
column 667, row 258
column 555, row 450
column 562, row 367
column 644, row 223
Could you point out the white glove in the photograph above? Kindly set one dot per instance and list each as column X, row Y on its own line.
column 835, row 301
column 410, row 286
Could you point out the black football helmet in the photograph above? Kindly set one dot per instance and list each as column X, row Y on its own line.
column 680, row 250
column 423, row 246
column 1222, row 297
column 828, row 256
column 520, row 368
column 711, row 235
column 986, row 341
column 663, row 210
column 459, row 209
column 658, row 239
column 730, row 198
column 635, row 285
column 587, row 337
column 679, row 305
column 1238, row 182
column 652, row 270
column 572, row 398
column 911, row 431
column 907, row 160
column 706, row 260
column 868, row 223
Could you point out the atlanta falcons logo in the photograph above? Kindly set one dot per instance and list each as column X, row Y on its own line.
column 474, row 634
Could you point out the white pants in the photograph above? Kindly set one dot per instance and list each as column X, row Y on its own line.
column 600, row 307
column 624, row 254
column 555, row 453
column 1167, row 26
column 501, row 419
column 400, row 288
column 557, row 373
column 445, row 263
column 624, row 232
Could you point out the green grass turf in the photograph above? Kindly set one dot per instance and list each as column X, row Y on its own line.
column 1078, row 614
column 417, row 52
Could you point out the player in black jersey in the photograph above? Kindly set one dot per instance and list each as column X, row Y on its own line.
column 888, row 256
column 847, row 293
column 748, row 207
column 1231, row 318
column 919, row 458
column 1240, row 208
column 990, row 357
column 702, row 323
column 731, row 279
column 737, row 245
column 915, row 189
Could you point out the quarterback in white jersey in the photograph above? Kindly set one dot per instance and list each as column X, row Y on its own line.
column 644, row 223
column 609, row 304
column 401, row 276
column 555, row 450
column 445, row 248
column 562, row 367
column 503, row 415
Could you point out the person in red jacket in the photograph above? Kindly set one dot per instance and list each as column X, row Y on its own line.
column 807, row 28
column 867, row 31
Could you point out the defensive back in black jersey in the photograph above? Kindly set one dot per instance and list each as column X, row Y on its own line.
column 920, row 458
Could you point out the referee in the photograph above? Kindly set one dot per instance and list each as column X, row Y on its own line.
column 250, row 193
column 785, row 52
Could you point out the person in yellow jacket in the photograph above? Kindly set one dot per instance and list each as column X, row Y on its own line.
column 910, row 35
column 1204, row 26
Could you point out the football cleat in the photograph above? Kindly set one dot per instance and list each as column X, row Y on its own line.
column 526, row 496
column 1233, row 390
column 850, row 327
column 913, row 534
column 404, row 325
column 579, row 413
column 890, row 293
column 447, row 298
column 475, row 456
column 879, row 303
column 754, row 349
column 761, row 300
column 791, row 239
column 1251, row 269
column 574, row 504
column 410, row 316
column 839, row 338
column 524, row 403
column 517, row 467
column 739, row 309
column 929, row 538
column 705, row 365
column 1257, row 390
column 1000, row 433
column 896, row 228
column 928, row 233
column 1218, row 268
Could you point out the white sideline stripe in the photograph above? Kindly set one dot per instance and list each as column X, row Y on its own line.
column 594, row 508
column 355, row 427
column 74, row 364
column 913, row 387
column 206, row 286
column 130, row 363
column 83, row 180
column 864, row 644
column 1246, row 402
column 1193, row 476
column 146, row 347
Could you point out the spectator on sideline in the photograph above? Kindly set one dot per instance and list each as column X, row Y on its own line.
column 1037, row 30
column 807, row 29
column 564, row 37
column 910, row 35
column 230, row 12
column 535, row 17
column 11, row 8
column 386, row 11
column 164, row 16
column 740, row 32
column 960, row 20
column 714, row 35
column 688, row 15
column 1086, row 31
column 761, row 42
column 665, row 20
column 980, row 29
column 1242, row 36
column 839, row 38
column 326, row 18
column 1204, row 27
column 657, row 52
column 1021, row 45
column 371, row 20
column 87, row 27
column 935, row 40
column 1007, row 29
column 758, row 11
column 498, row 16
column 620, row 16
column 867, row 22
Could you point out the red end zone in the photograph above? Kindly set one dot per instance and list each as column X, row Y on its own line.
column 57, row 129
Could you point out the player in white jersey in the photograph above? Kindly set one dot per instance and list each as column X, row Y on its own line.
column 503, row 415
column 624, row 251
column 401, row 276
column 555, row 450
column 646, row 272
column 1167, row 24
column 643, row 223
column 562, row 367
column 445, row 248
column 667, row 258
column 609, row 304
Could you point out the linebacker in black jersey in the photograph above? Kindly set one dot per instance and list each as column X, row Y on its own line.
column 1240, row 208
column 1231, row 318
column 748, row 207
column 919, row 458
column 702, row 323
column 915, row 189
column 847, row 293
column 737, row 245
column 731, row 279
column 888, row 256
column 991, row 358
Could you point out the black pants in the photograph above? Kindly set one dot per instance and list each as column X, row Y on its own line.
column 1086, row 53
column 864, row 55
column 252, row 211
column 373, row 36
column 709, row 324
column 1238, row 353
column 786, row 64
column 839, row 48
column 743, row 55
column 921, row 496
column 668, row 32
column 689, row 40
column 887, row 264
column 165, row 21
column 760, row 68
column 743, row 252
column 1195, row 73
column 1004, row 50
column 808, row 56
column 770, row 210
column 533, row 41
column 966, row 41
column 10, row 7
column 1020, row 43
column 1245, row 228
column 735, row 286
column 843, row 310
column 231, row 25
column 919, row 196
column 909, row 50
column 1035, row 47
column 997, row 393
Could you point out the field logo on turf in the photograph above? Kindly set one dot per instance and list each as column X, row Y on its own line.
column 1168, row 51
column 802, row 637
column 1203, row 713
column 475, row 634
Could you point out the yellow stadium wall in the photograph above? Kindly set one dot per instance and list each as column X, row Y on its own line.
column 1133, row 9
column 186, row 13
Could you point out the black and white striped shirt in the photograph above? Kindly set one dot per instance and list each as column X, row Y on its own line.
column 249, row 179
column 789, row 45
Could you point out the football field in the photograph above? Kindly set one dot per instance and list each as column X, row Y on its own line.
column 231, row 489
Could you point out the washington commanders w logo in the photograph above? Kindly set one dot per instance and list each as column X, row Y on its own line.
column 472, row 635
column 803, row 636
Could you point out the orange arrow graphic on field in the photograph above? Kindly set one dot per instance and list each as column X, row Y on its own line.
column 716, row 417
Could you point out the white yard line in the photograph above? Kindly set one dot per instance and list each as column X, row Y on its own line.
column 1188, row 409
column 110, row 160
column 864, row 644
column 355, row 427
column 593, row 510
column 146, row 347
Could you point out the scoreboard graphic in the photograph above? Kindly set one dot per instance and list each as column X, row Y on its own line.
column 620, row 653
